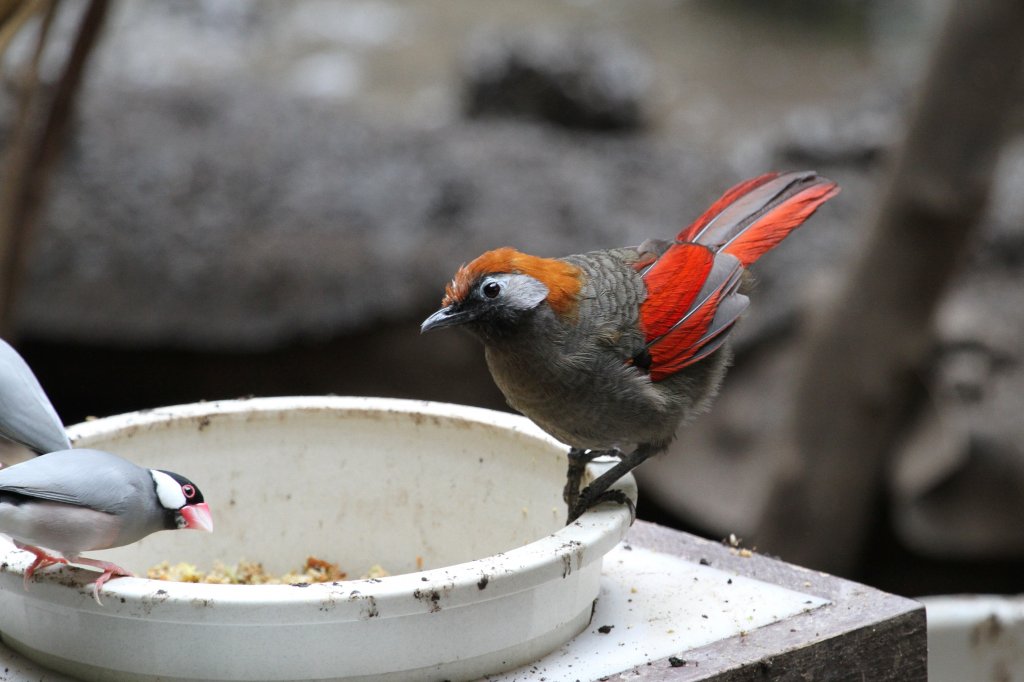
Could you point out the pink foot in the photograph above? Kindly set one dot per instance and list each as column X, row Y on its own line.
column 43, row 559
column 109, row 569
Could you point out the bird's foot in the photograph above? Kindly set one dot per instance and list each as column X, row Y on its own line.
column 600, row 490
column 110, row 570
column 614, row 495
column 578, row 461
column 43, row 559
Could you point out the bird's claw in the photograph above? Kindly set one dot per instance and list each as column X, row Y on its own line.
column 110, row 570
column 98, row 583
column 42, row 560
column 600, row 489
column 617, row 496
column 45, row 558
column 579, row 458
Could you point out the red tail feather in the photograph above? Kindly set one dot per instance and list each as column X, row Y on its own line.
column 732, row 194
column 678, row 318
column 755, row 215
column 771, row 228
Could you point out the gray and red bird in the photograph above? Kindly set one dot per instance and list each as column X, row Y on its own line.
column 611, row 351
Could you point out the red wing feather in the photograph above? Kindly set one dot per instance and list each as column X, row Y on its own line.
column 730, row 307
column 673, row 282
column 671, row 352
column 701, row 324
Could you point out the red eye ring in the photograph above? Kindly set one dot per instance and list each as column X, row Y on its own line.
column 189, row 491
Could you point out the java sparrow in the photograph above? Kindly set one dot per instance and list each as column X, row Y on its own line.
column 26, row 414
column 611, row 350
column 74, row 501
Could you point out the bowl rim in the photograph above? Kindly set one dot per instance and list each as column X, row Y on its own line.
column 559, row 553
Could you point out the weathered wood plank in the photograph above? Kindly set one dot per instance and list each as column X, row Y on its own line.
column 863, row 634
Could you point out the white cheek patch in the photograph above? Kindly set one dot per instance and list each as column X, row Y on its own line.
column 522, row 291
column 168, row 490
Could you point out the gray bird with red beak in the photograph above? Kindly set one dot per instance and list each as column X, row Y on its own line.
column 61, row 504
column 610, row 351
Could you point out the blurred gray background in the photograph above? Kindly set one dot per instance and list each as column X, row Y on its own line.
column 266, row 198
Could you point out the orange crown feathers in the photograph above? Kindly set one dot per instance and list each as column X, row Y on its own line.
column 562, row 279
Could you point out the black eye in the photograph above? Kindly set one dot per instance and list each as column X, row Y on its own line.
column 492, row 289
column 189, row 491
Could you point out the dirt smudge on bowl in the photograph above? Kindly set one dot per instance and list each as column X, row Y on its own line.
column 368, row 608
column 149, row 601
column 571, row 553
column 986, row 632
column 433, row 596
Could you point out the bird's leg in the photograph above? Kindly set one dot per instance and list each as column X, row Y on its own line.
column 598, row 492
column 109, row 569
column 43, row 559
column 578, row 461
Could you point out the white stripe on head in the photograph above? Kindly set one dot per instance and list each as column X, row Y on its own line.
column 168, row 490
column 518, row 291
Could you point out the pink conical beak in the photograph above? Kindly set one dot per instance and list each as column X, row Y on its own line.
column 197, row 517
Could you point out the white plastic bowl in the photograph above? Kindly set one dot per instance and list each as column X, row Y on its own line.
column 975, row 637
column 474, row 494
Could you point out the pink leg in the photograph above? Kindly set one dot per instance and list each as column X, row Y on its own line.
column 43, row 559
column 109, row 569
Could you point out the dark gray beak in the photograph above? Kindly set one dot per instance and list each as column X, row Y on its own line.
column 445, row 317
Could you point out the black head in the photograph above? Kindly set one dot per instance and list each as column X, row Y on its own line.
column 181, row 500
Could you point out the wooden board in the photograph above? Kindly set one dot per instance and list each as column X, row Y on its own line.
column 862, row 634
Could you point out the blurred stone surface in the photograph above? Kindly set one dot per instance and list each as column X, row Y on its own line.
column 216, row 218
column 575, row 79
column 959, row 480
